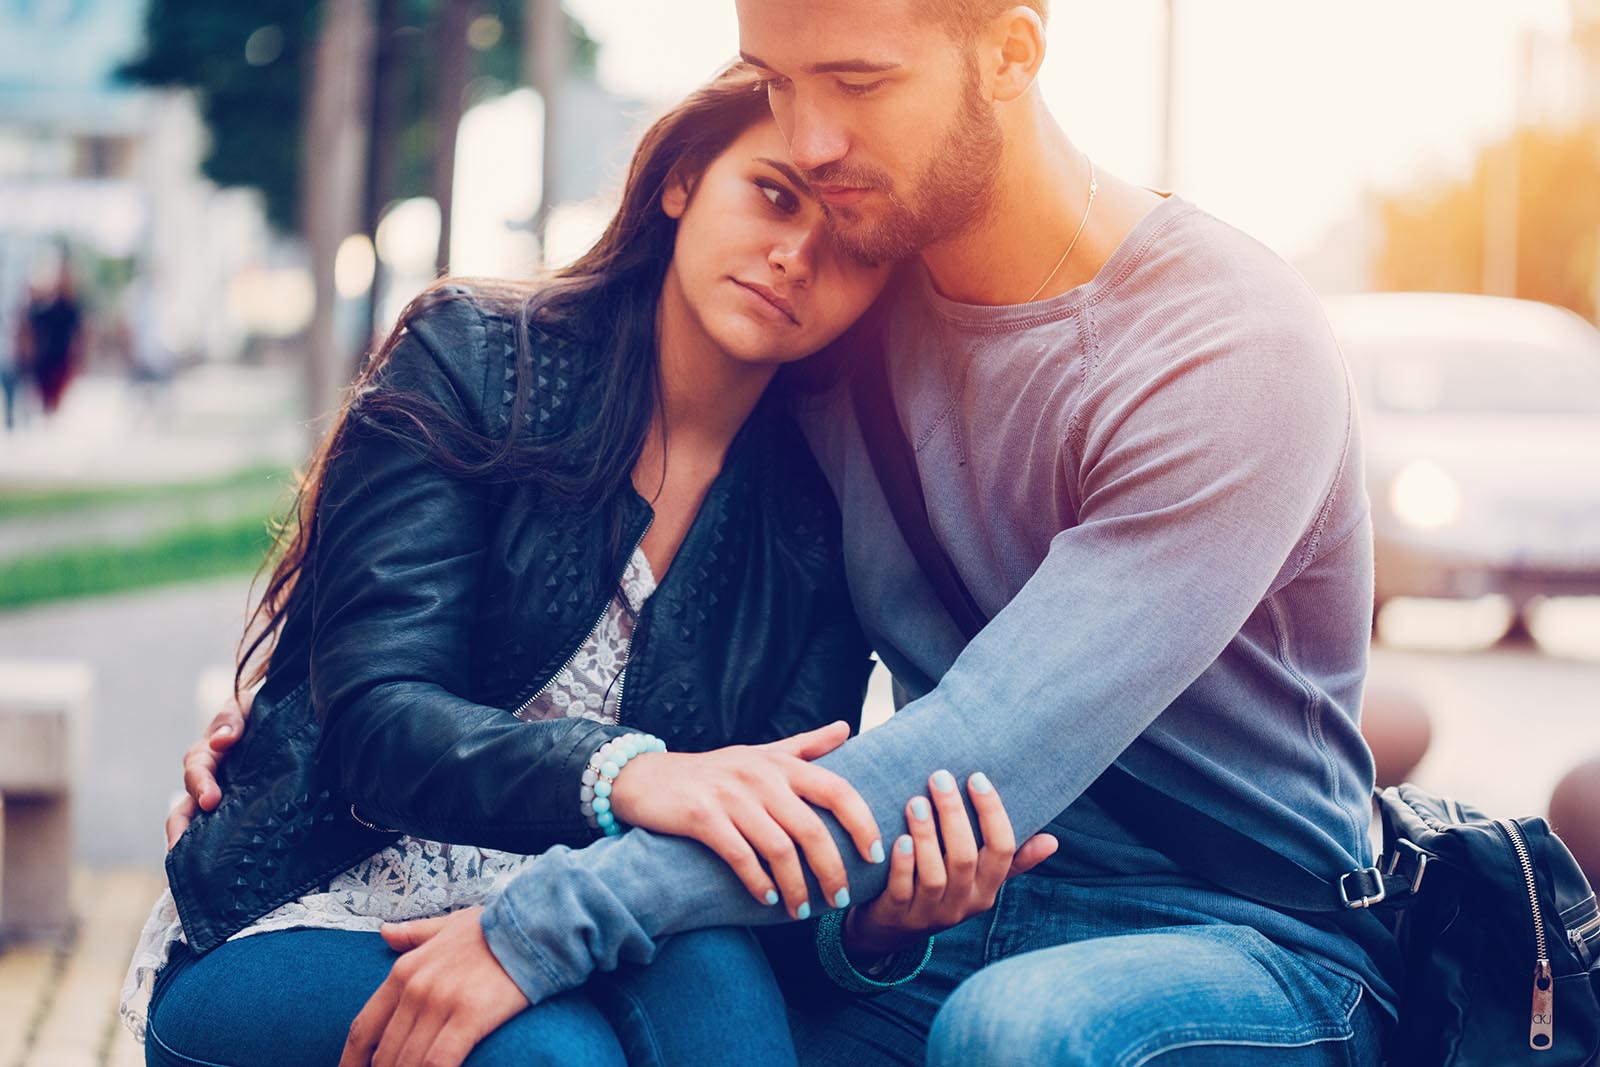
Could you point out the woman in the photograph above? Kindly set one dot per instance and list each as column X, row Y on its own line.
column 582, row 503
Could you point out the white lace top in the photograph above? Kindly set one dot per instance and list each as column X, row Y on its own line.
column 413, row 878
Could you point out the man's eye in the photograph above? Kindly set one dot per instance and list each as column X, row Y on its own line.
column 861, row 89
column 778, row 196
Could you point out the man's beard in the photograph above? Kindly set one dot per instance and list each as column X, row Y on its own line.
column 954, row 190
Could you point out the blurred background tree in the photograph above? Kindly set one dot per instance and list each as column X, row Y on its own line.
column 249, row 68
column 1435, row 237
column 1526, row 221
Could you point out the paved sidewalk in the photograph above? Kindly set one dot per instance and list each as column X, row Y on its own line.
column 58, row 1005
column 149, row 651
column 211, row 421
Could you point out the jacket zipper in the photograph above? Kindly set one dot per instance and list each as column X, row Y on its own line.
column 1541, row 1022
column 573, row 655
column 627, row 658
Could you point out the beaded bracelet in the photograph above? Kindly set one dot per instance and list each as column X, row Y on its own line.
column 594, row 796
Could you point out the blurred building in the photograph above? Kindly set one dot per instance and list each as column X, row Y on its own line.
column 112, row 171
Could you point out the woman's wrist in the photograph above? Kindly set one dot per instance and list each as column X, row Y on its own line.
column 599, row 778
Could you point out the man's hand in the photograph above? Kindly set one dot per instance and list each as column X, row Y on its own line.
column 200, row 764
column 445, row 993
column 932, row 888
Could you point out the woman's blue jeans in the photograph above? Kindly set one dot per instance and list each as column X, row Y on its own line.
column 1078, row 976
column 287, row 999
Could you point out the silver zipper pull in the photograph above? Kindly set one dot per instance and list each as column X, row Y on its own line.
column 1541, row 1025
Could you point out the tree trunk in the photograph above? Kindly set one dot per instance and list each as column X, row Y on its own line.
column 384, row 128
column 336, row 136
column 544, row 53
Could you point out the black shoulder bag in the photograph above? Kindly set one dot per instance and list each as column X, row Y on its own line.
column 1490, row 924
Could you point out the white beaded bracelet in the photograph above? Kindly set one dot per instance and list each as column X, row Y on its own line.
column 594, row 795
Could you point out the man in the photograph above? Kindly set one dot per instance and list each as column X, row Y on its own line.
column 1137, row 444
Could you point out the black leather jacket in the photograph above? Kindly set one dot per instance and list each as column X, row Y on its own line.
column 431, row 607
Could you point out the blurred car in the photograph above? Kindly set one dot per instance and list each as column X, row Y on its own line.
column 1481, row 420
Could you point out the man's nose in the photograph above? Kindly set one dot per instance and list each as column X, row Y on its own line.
column 814, row 140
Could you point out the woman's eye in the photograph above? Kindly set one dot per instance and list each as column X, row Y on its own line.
column 777, row 85
column 778, row 196
column 861, row 89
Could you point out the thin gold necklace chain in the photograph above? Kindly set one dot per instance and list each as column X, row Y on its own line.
column 1094, row 187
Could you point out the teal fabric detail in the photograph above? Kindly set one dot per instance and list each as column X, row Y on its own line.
column 896, row 970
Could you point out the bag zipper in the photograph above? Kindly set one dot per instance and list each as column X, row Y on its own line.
column 1541, row 1020
column 573, row 655
column 1578, row 935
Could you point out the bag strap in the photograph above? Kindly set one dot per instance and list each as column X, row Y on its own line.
column 895, row 464
column 1194, row 839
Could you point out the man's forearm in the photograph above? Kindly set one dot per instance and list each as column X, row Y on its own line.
column 573, row 912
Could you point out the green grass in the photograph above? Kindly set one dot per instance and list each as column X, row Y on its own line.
column 185, row 553
column 29, row 503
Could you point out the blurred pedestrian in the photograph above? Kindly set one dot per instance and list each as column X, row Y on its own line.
column 13, row 372
column 53, row 338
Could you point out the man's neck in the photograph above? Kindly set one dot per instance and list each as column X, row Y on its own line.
column 1041, row 197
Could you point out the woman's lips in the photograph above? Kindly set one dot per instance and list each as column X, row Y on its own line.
column 770, row 298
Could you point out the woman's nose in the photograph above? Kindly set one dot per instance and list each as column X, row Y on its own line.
column 794, row 257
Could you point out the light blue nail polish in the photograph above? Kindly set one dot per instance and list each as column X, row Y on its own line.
column 980, row 783
column 904, row 844
column 803, row 912
column 772, row 896
column 943, row 781
column 919, row 808
column 876, row 851
column 841, row 899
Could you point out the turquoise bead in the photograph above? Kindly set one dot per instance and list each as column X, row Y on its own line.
column 609, row 769
column 602, row 789
column 601, row 804
column 604, row 818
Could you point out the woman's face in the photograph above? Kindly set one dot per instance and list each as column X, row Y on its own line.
column 754, row 260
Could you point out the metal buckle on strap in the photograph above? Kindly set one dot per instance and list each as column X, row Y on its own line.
column 1421, row 858
column 1366, row 893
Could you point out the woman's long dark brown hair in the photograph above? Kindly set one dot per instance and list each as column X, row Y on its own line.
column 606, row 300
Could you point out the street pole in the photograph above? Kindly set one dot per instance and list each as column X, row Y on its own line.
column 1502, row 189
column 335, row 154
column 449, row 104
column 1170, row 100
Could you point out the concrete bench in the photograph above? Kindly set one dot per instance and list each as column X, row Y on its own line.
column 42, row 709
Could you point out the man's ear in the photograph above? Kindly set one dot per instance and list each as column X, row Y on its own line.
column 675, row 195
column 1015, row 39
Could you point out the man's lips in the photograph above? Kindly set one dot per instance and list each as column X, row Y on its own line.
column 841, row 194
column 771, row 297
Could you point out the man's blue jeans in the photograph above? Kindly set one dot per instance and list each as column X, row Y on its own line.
column 1068, row 975
column 288, row 998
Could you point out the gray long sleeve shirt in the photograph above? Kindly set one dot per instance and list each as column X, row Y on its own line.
column 1153, row 485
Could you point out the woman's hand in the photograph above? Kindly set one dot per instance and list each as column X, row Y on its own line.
column 931, row 890
column 200, row 763
column 443, row 995
column 747, row 803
